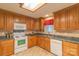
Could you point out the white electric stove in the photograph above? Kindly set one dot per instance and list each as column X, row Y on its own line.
column 20, row 37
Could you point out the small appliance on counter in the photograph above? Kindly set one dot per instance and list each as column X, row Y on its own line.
column 20, row 37
column 3, row 35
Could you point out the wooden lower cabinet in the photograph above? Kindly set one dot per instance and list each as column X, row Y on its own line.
column 70, row 49
column 40, row 42
column 32, row 41
column 43, row 42
column 6, row 47
column 47, row 43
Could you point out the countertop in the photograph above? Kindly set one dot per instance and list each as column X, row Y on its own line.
column 71, row 37
column 5, row 38
column 75, row 35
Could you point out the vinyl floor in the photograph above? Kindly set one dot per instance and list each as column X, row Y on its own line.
column 34, row 51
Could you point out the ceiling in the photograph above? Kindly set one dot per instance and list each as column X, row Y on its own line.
column 48, row 8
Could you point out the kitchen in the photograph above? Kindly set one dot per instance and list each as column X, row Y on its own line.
column 27, row 32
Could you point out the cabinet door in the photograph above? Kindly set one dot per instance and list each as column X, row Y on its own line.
column 63, row 21
column 2, row 21
column 40, row 42
column 9, row 22
column 19, row 18
column 22, row 19
column 67, row 19
column 32, row 24
column 42, row 24
column 37, row 26
column 0, row 50
column 71, row 19
column 70, row 49
column 28, row 23
column 44, row 43
column 32, row 41
column 76, row 17
column 7, row 47
column 7, row 50
column 57, row 24
column 47, row 44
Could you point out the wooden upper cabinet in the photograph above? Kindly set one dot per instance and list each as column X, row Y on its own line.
column 37, row 24
column 22, row 19
column 67, row 19
column 2, row 21
column 63, row 21
column 76, row 17
column 30, row 23
column 16, row 18
column 71, row 18
column 57, row 21
column 19, row 18
column 27, row 23
column 42, row 24
column 9, row 22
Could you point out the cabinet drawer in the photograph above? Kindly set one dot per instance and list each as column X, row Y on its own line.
column 7, row 53
column 8, row 48
column 69, row 50
column 73, row 52
column 7, row 45
column 66, row 54
column 73, row 45
column 7, row 42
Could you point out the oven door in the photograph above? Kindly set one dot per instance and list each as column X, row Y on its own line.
column 20, row 43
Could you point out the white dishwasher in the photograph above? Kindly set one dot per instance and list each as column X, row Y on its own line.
column 56, row 47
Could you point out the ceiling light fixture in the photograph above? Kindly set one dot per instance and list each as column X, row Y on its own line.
column 32, row 5
column 47, row 15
